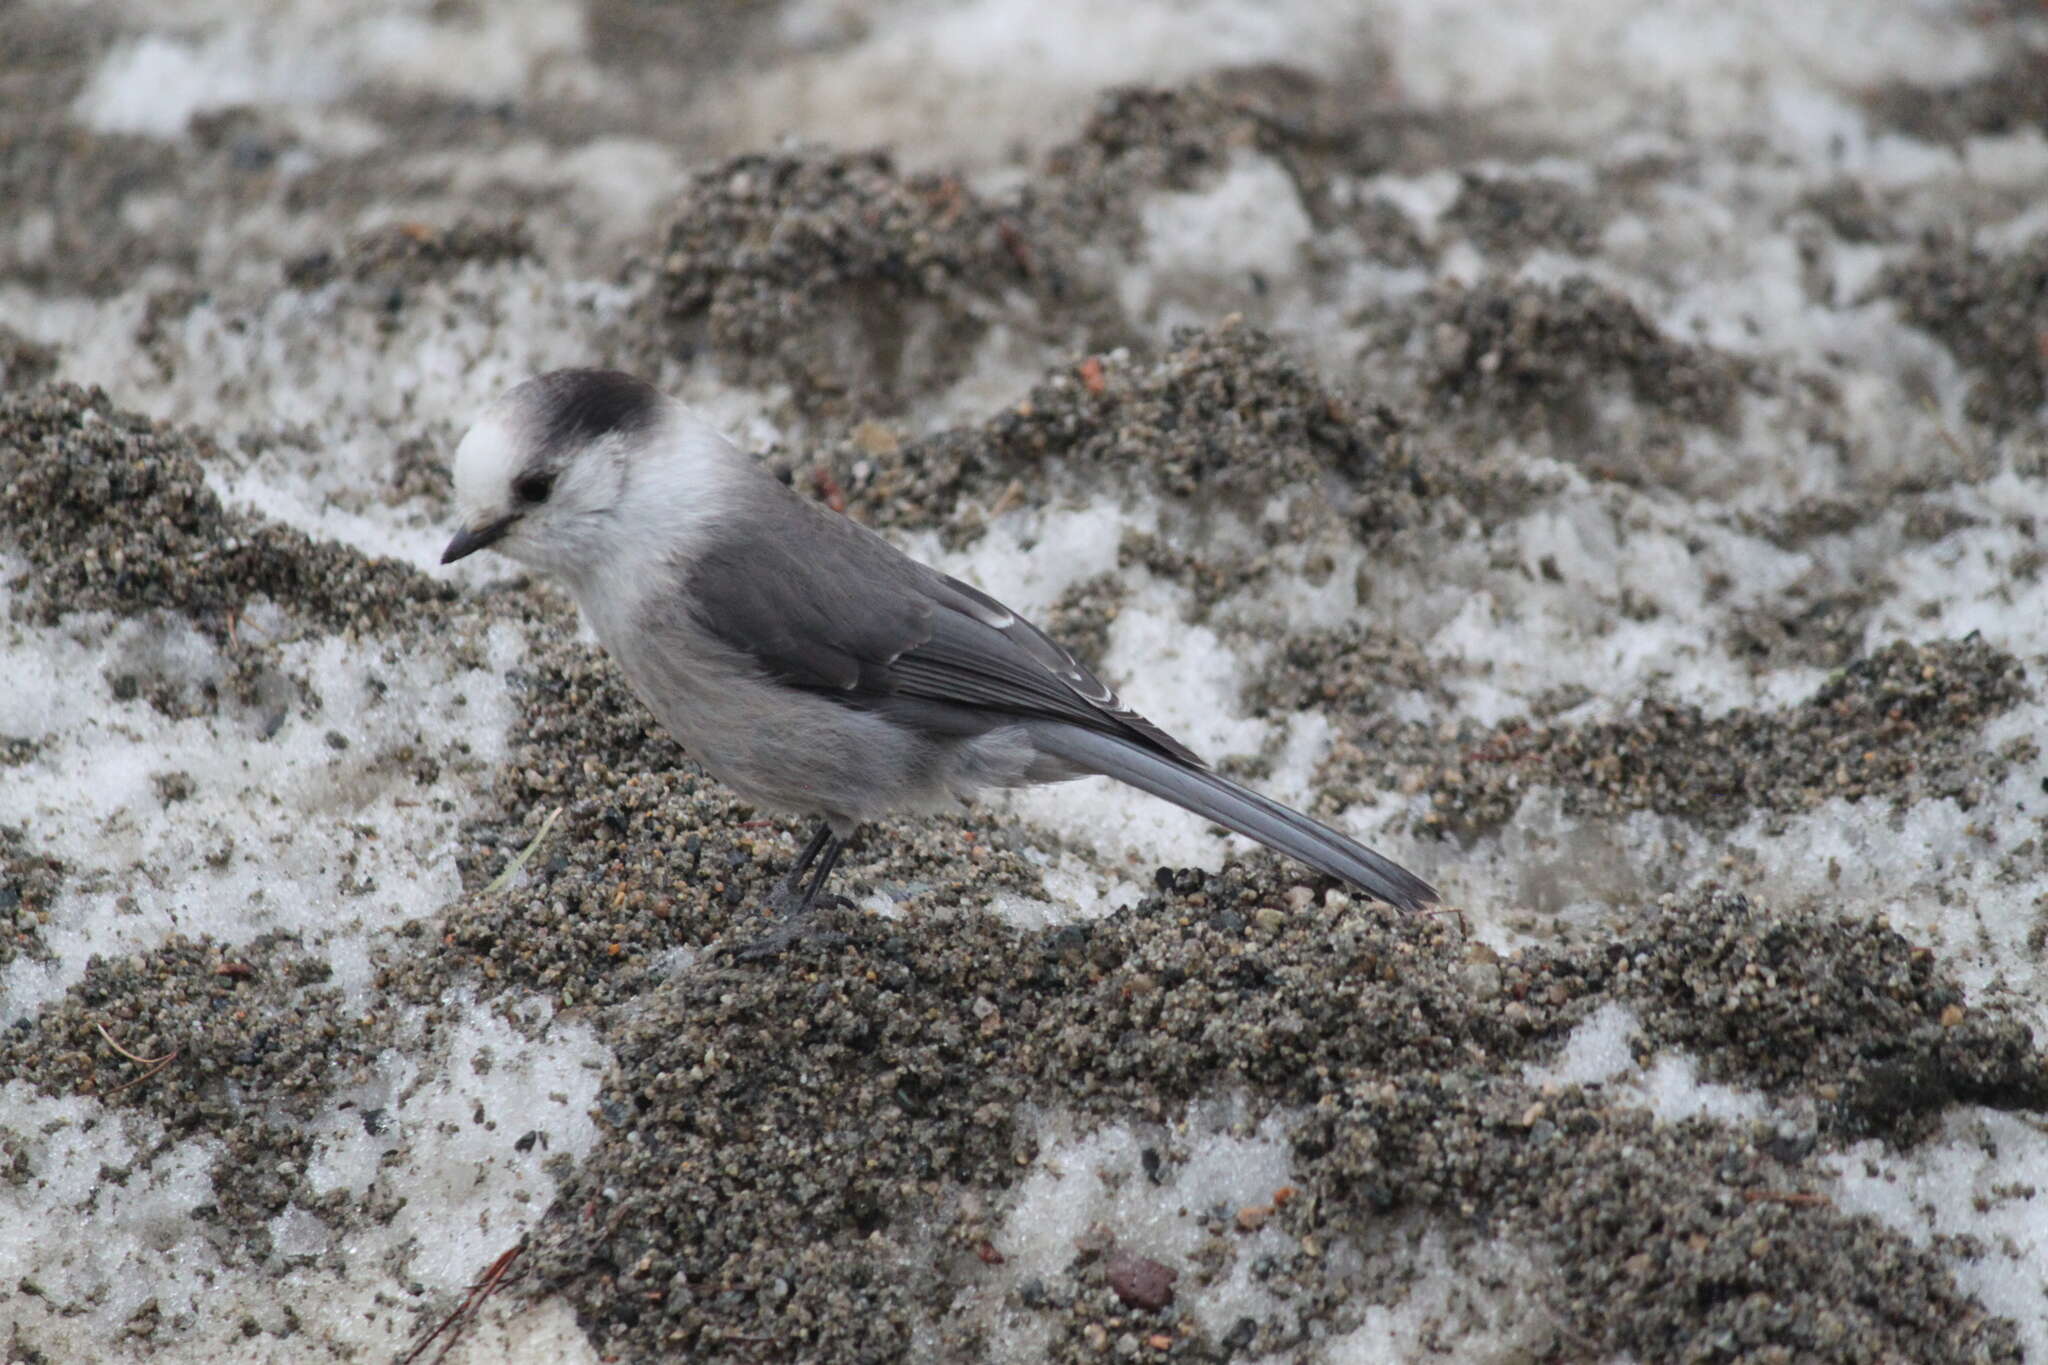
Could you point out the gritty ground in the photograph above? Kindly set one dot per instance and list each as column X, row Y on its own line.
column 818, row 1158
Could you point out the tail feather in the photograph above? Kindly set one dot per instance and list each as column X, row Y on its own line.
column 1236, row 808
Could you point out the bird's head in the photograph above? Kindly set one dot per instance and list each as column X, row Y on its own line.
column 547, row 473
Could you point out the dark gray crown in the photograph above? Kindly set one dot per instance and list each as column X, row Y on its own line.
column 572, row 408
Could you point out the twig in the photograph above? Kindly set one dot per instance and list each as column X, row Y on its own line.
column 1800, row 1198
column 155, row 1064
column 139, row 1061
column 504, row 879
column 466, row 1311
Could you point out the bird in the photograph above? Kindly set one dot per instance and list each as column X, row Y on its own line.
column 800, row 658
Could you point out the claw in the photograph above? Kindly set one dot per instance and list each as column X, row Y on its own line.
column 796, row 902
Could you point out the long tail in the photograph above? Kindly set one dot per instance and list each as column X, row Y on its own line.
column 1236, row 808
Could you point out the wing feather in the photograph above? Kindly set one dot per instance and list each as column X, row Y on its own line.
column 822, row 603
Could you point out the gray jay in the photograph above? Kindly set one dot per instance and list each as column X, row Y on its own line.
column 803, row 660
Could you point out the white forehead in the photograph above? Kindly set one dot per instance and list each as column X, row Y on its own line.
column 491, row 452
column 683, row 469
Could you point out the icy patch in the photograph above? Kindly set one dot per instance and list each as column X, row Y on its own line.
column 882, row 906
column 1182, row 676
column 287, row 814
column 1188, row 682
column 1028, row 913
column 1028, row 558
column 1615, row 58
column 1601, row 1051
column 1986, row 1179
column 95, row 1247
column 976, row 83
column 618, row 184
column 104, row 1222
column 462, row 1145
column 324, row 393
column 1088, row 1185
column 1098, row 1181
column 1425, row 198
column 1554, row 622
column 1598, row 1050
column 1964, row 881
column 1482, row 1304
column 153, row 85
column 338, row 387
column 1076, row 889
column 1674, row 1091
column 1972, row 579
column 1206, row 250
column 1546, row 862
column 511, row 1331
column 317, row 51
column 1131, row 832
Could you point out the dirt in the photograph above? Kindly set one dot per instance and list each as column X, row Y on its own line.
column 113, row 513
column 1226, row 413
column 818, row 1150
column 1992, row 312
column 1901, row 724
column 1535, row 358
column 830, row 272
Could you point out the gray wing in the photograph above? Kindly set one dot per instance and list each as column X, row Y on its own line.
column 822, row 603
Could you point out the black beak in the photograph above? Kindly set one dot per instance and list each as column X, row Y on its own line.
column 471, row 539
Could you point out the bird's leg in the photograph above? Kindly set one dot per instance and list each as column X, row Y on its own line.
column 794, row 898
column 814, row 893
column 790, row 896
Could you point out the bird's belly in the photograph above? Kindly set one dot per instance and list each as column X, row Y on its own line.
column 781, row 748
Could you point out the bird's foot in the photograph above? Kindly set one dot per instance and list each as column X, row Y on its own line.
column 796, row 923
column 785, row 901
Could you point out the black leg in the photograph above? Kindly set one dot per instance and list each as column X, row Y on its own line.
column 803, row 860
column 793, row 906
column 826, row 862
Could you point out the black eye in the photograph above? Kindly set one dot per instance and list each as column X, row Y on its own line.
column 534, row 487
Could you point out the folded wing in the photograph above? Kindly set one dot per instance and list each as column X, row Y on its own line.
column 822, row 603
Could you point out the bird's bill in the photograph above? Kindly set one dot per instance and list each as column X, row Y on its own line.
column 470, row 539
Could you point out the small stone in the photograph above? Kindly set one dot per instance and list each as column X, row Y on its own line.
column 875, row 439
column 1482, row 979
column 1141, row 1282
column 1252, row 1217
